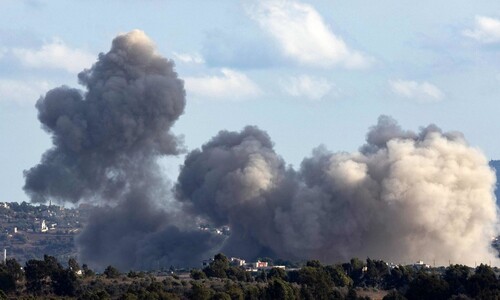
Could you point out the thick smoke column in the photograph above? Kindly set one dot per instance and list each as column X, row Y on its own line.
column 101, row 137
column 106, row 143
column 402, row 197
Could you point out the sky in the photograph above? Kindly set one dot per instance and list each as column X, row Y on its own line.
column 310, row 73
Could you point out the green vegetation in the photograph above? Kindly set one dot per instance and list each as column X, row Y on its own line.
column 357, row 279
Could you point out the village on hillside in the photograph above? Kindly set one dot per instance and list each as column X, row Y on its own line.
column 27, row 231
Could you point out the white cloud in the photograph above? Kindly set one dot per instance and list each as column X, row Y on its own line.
column 55, row 55
column 486, row 30
column 419, row 91
column 308, row 87
column 230, row 85
column 21, row 92
column 189, row 58
column 304, row 36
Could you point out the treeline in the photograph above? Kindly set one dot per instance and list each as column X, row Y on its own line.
column 48, row 278
column 344, row 281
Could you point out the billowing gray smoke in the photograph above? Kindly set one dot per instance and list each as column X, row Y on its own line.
column 103, row 136
column 106, row 143
column 404, row 196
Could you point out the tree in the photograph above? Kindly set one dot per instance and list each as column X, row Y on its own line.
column 7, row 281
column 316, row 281
column 221, row 296
column 200, row 292
column 234, row 291
column 197, row 274
column 10, row 273
column 262, row 277
column 36, row 273
column 354, row 269
column 252, row 292
column 426, row 286
column 314, row 263
column 277, row 273
column 236, row 273
column 338, row 276
column 14, row 268
column 111, row 272
column 457, row 276
column 64, row 282
column 39, row 273
column 484, row 283
column 86, row 271
column 277, row 289
column 217, row 267
column 73, row 265
column 376, row 270
column 394, row 295
column 51, row 264
column 398, row 277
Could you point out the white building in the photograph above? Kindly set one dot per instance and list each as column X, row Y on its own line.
column 237, row 262
column 43, row 227
column 420, row 265
column 259, row 264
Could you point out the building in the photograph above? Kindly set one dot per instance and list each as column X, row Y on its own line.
column 237, row 262
column 420, row 265
column 43, row 227
column 260, row 264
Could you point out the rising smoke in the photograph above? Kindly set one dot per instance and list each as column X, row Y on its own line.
column 403, row 196
column 106, row 144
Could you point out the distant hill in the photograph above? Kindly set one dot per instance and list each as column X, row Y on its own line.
column 495, row 164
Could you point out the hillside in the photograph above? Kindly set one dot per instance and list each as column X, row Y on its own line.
column 28, row 231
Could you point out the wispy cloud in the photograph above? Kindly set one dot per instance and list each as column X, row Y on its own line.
column 55, row 55
column 229, row 85
column 22, row 92
column 418, row 91
column 486, row 30
column 304, row 36
column 193, row 58
column 307, row 87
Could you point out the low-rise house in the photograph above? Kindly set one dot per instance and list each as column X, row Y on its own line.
column 237, row 262
column 420, row 265
column 260, row 264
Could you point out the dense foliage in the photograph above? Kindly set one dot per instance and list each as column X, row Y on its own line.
column 357, row 279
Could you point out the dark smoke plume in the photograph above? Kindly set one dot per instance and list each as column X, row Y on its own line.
column 106, row 143
column 103, row 136
column 403, row 196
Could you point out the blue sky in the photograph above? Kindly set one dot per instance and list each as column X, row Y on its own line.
column 308, row 72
